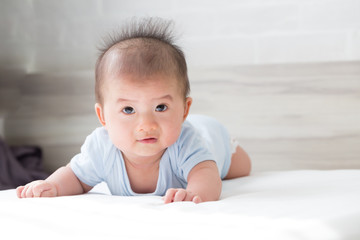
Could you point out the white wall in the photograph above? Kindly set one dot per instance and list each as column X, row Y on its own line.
column 45, row 35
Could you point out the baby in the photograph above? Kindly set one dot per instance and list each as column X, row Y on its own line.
column 147, row 143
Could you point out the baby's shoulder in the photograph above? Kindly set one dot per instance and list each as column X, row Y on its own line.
column 99, row 149
column 100, row 132
column 189, row 138
column 99, row 135
column 98, row 141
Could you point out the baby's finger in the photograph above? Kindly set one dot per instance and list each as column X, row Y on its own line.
column 44, row 189
column 23, row 193
column 38, row 189
column 180, row 195
column 169, row 196
column 29, row 192
column 19, row 191
column 197, row 200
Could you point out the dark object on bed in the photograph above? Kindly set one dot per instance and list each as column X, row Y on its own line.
column 19, row 165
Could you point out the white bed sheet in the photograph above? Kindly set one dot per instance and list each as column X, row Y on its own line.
column 287, row 205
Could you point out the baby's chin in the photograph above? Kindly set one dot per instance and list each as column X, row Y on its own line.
column 145, row 153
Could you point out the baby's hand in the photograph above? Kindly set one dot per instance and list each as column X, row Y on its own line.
column 38, row 188
column 179, row 195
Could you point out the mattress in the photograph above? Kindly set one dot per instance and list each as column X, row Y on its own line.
column 302, row 204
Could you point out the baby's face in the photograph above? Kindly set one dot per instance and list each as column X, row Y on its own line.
column 143, row 118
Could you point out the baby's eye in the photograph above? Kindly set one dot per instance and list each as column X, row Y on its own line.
column 161, row 108
column 128, row 110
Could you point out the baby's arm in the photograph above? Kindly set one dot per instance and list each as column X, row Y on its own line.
column 62, row 182
column 204, row 184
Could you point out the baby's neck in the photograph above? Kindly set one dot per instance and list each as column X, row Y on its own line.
column 142, row 163
column 143, row 175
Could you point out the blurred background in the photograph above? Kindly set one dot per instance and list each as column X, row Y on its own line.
column 282, row 75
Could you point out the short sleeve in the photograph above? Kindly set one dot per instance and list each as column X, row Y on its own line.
column 88, row 164
column 192, row 150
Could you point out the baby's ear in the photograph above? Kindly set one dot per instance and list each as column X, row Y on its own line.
column 100, row 113
column 188, row 103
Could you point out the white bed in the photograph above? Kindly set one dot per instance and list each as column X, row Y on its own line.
column 304, row 204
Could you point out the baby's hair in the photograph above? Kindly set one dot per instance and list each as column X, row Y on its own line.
column 141, row 48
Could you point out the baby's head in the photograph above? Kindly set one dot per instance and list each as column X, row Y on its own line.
column 142, row 89
column 141, row 49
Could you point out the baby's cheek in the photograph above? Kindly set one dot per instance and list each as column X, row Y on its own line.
column 118, row 137
column 172, row 137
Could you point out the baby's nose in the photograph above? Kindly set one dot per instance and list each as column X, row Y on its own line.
column 147, row 123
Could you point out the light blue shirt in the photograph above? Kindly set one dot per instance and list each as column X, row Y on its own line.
column 201, row 138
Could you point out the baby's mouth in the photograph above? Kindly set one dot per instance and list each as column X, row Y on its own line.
column 148, row 140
